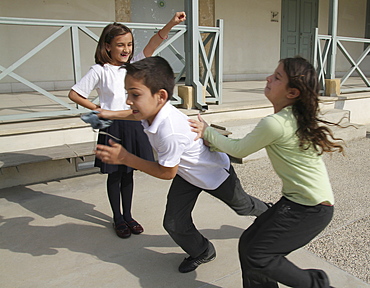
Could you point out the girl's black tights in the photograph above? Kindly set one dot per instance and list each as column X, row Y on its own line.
column 120, row 188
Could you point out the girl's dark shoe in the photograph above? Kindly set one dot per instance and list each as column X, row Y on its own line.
column 135, row 227
column 122, row 230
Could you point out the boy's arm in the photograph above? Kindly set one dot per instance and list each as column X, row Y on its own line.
column 162, row 34
column 116, row 154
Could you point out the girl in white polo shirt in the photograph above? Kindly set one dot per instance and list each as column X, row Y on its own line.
column 115, row 48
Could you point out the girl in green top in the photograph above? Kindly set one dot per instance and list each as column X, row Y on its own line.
column 294, row 142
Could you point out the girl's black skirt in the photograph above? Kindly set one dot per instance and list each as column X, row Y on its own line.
column 132, row 138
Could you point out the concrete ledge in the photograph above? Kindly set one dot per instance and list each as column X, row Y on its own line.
column 186, row 93
column 12, row 159
column 332, row 87
column 46, row 125
column 45, row 171
column 43, row 134
column 46, row 164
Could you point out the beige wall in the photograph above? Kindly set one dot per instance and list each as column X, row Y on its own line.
column 46, row 67
column 207, row 13
column 92, row 10
column 123, row 10
column 352, row 19
column 351, row 23
column 251, row 40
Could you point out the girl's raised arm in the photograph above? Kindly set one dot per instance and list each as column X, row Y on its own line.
column 162, row 34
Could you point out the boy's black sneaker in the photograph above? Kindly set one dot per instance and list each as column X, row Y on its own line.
column 190, row 264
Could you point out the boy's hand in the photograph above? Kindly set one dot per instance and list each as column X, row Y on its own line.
column 114, row 154
column 178, row 18
column 198, row 126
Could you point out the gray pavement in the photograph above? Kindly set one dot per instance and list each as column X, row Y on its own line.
column 59, row 233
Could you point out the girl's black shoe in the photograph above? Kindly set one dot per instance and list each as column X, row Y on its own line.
column 122, row 230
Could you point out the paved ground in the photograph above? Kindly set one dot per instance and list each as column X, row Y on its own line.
column 58, row 234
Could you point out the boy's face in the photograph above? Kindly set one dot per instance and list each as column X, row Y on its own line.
column 144, row 105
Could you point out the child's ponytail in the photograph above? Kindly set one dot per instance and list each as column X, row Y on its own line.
column 302, row 75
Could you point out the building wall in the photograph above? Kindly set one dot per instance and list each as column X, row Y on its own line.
column 46, row 67
column 351, row 23
column 91, row 10
column 144, row 11
column 251, row 39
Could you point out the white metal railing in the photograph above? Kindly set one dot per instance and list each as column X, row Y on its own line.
column 212, row 81
column 322, row 56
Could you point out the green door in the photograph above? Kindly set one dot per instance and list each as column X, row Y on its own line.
column 299, row 20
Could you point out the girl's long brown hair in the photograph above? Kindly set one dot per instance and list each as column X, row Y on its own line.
column 302, row 76
column 102, row 56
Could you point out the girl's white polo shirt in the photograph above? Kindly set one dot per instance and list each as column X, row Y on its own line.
column 109, row 81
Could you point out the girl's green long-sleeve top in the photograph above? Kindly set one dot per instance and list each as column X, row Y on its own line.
column 303, row 172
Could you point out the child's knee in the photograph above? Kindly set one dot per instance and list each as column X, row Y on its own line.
column 253, row 260
column 169, row 224
column 174, row 225
column 251, row 257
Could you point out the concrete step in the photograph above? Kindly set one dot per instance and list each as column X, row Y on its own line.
column 21, row 136
column 33, row 145
column 45, row 150
column 335, row 116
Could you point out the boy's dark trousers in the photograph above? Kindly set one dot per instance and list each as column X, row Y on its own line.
column 181, row 199
column 283, row 228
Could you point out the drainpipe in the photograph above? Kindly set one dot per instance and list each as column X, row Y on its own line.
column 333, row 25
column 192, row 53
column 332, row 85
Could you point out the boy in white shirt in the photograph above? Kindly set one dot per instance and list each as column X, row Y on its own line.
column 191, row 164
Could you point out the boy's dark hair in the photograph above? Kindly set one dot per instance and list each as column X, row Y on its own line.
column 102, row 56
column 155, row 72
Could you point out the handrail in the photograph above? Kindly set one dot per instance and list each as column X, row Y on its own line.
column 322, row 55
column 210, row 81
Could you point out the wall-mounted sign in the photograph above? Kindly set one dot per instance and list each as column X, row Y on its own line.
column 274, row 16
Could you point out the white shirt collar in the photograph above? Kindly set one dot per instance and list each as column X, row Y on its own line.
column 161, row 115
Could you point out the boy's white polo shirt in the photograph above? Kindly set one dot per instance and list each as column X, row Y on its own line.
column 171, row 137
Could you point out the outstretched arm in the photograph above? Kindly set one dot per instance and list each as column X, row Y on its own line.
column 116, row 154
column 162, row 34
